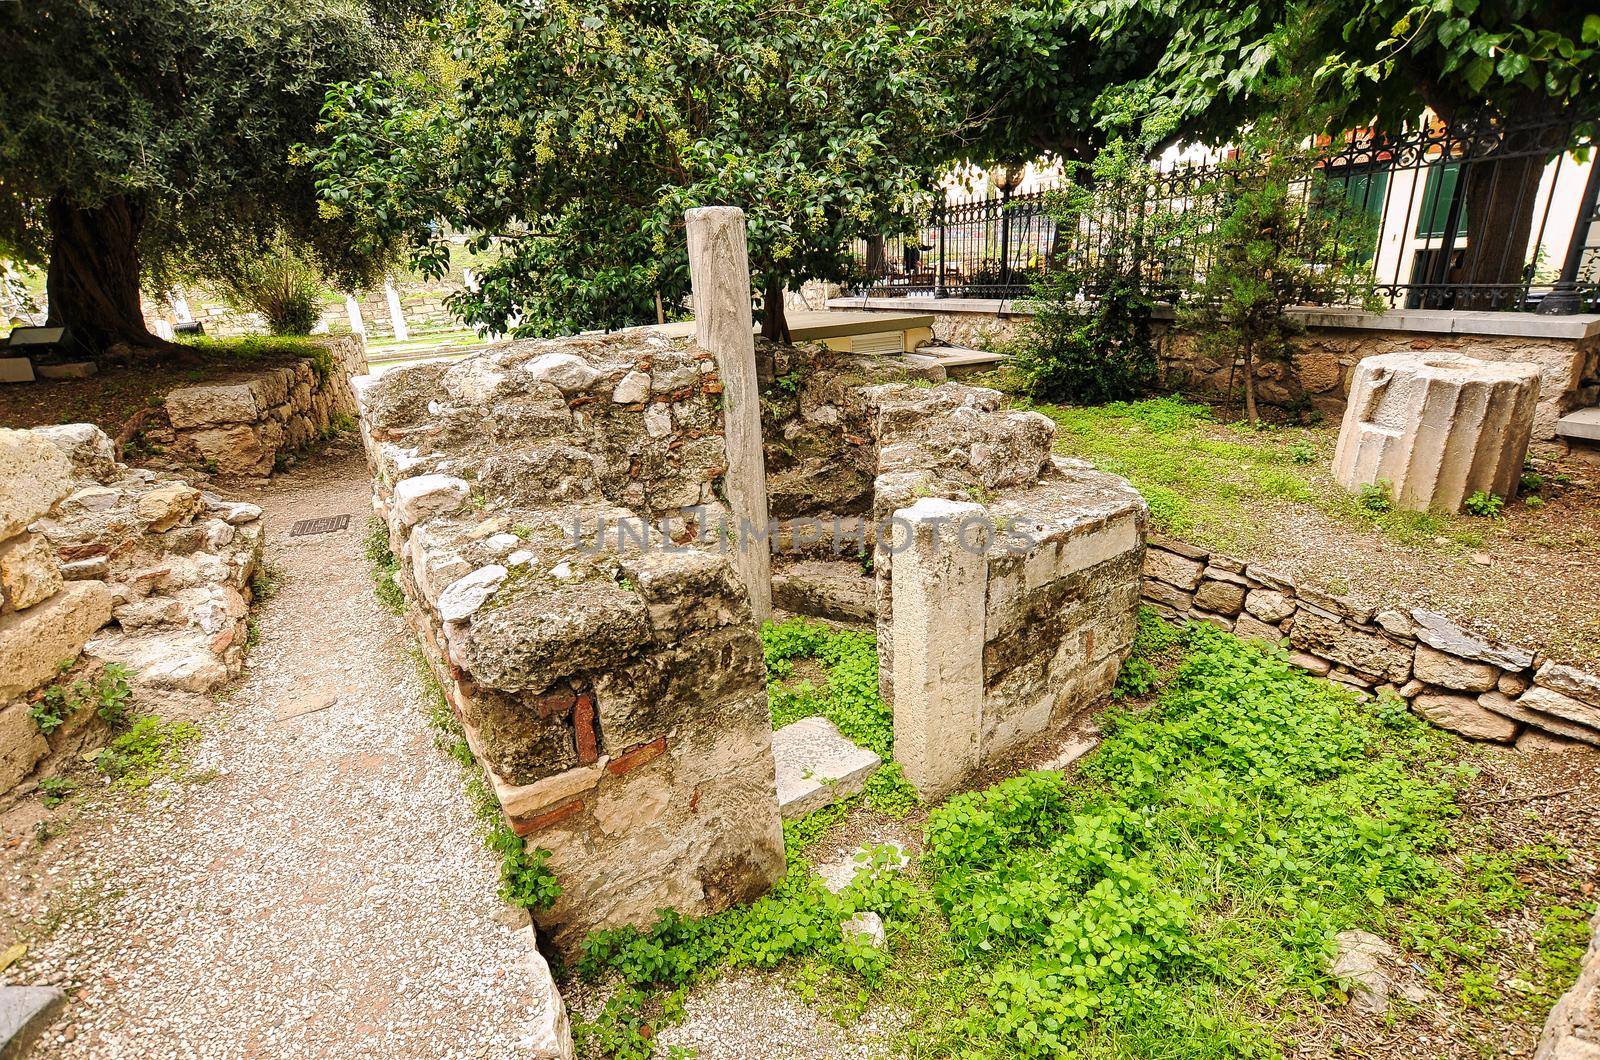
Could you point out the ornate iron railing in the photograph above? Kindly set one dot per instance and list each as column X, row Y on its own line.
column 1480, row 213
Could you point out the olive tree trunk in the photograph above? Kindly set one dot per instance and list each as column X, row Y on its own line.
column 93, row 278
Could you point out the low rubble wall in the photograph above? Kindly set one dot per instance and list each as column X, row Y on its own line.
column 1456, row 679
column 117, row 565
column 246, row 424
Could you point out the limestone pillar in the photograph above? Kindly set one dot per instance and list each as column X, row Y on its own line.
column 939, row 579
column 719, row 273
column 1436, row 427
column 352, row 309
column 397, row 318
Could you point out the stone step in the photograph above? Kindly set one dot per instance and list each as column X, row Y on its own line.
column 1583, row 425
column 817, row 766
column 963, row 360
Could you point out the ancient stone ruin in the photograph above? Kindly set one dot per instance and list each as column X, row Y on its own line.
column 120, row 565
column 1434, row 428
column 582, row 561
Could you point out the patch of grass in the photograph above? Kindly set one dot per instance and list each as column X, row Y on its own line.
column 384, row 568
column 1201, row 478
column 1177, row 897
column 850, row 699
column 255, row 349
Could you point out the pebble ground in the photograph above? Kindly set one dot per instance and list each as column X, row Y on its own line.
column 326, row 894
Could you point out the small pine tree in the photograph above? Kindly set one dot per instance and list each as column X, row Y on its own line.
column 1278, row 235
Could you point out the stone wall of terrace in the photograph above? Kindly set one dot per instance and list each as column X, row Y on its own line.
column 1454, row 678
column 246, row 423
column 117, row 564
column 1322, row 368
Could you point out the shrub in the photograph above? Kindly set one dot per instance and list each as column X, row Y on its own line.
column 1376, row 496
column 281, row 285
column 1090, row 339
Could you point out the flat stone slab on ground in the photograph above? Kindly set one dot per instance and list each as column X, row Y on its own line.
column 25, row 1011
column 839, row 874
column 817, row 766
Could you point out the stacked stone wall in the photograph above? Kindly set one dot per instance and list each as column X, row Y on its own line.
column 614, row 692
column 248, row 423
column 1456, row 679
column 115, row 565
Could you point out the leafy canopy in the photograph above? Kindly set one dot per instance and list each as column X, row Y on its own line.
column 580, row 132
column 190, row 109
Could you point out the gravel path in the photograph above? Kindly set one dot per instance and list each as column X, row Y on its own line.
column 326, row 895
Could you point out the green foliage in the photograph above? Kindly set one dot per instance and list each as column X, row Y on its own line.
column 162, row 135
column 526, row 880
column 1154, row 646
column 1179, row 898
column 107, row 693
column 385, row 568
column 281, row 285
column 851, row 699
column 150, row 749
column 1484, row 505
column 53, row 791
column 1090, row 338
column 583, row 132
column 1218, row 843
column 1376, row 496
column 1271, row 246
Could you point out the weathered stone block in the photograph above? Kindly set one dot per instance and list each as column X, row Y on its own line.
column 1440, row 668
column 1366, row 653
column 201, row 406
column 29, row 572
column 1549, row 701
column 1269, row 605
column 35, row 641
column 34, row 475
column 1436, row 631
column 426, row 496
column 22, row 745
column 1222, row 597
column 1173, row 569
column 1463, row 714
column 1437, row 427
column 816, row 766
column 1569, row 681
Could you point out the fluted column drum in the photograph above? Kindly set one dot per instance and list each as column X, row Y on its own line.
column 1434, row 428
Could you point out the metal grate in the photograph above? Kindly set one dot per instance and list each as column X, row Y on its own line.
column 325, row 525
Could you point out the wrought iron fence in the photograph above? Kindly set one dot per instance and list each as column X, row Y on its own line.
column 1482, row 213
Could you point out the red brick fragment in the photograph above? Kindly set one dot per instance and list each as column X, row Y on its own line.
column 556, row 703
column 583, row 729
column 528, row 825
column 635, row 757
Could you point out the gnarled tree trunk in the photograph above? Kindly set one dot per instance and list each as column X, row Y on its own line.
column 93, row 279
column 774, row 323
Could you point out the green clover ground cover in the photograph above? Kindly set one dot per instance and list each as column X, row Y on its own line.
column 1176, row 898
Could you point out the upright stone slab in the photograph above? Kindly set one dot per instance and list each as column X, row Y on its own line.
column 719, row 271
column 1436, row 427
column 939, row 586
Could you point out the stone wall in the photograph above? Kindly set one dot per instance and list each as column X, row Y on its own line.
column 1572, row 1030
column 558, row 513
column 247, row 423
column 86, row 543
column 614, row 694
column 1566, row 349
column 1456, row 679
column 1324, row 361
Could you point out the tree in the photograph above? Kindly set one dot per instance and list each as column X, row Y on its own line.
column 1277, row 238
column 147, row 139
column 1378, row 63
column 575, row 136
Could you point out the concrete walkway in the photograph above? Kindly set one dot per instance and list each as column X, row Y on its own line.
column 326, row 895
